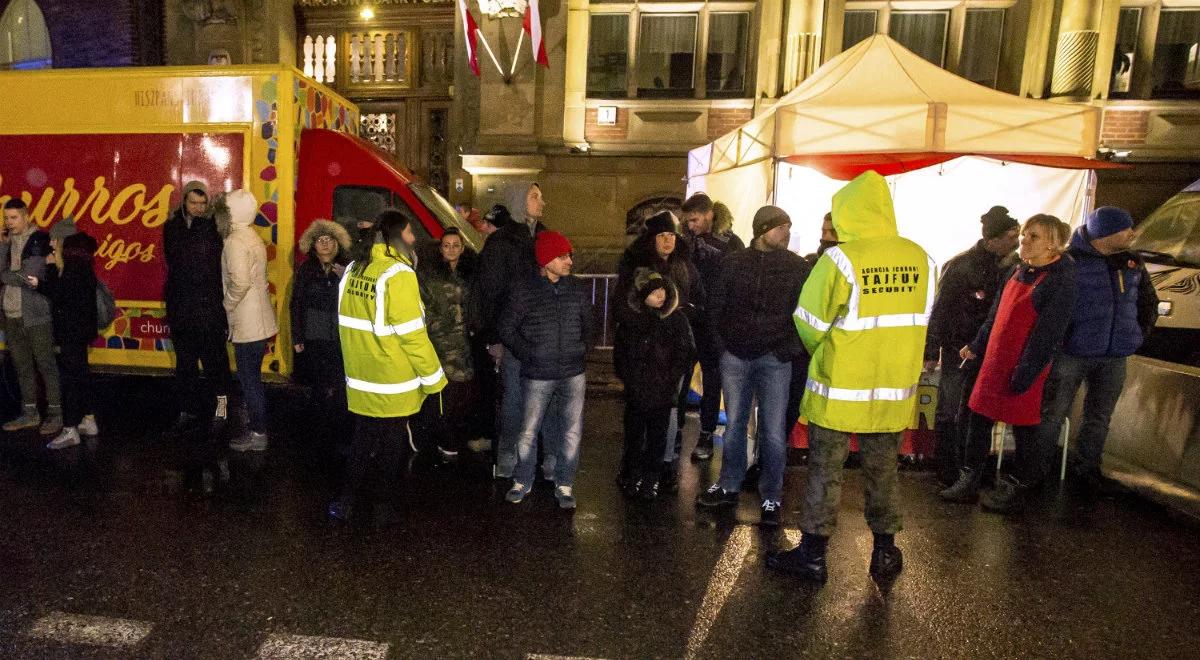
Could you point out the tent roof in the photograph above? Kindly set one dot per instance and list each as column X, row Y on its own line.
column 880, row 98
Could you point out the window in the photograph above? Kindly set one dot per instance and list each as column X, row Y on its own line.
column 365, row 202
column 608, row 56
column 24, row 39
column 983, row 37
column 657, row 52
column 1176, row 69
column 1125, row 50
column 666, row 56
column 922, row 32
column 725, row 66
column 857, row 26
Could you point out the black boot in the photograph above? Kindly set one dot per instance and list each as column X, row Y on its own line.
column 965, row 490
column 704, row 447
column 805, row 561
column 1007, row 497
column 886, row 562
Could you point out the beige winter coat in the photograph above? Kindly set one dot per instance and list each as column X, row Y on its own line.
column 244, row 274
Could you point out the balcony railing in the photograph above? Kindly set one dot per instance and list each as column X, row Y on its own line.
column 368, row 60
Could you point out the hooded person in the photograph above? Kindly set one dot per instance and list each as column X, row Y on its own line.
column 193, row 293
column 653, row 351
column 313, row 310
column 248, row 309
column 862, row 317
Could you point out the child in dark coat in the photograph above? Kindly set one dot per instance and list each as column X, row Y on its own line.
column 653, row 352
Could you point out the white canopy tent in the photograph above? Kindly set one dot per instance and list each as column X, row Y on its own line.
column 950, row 148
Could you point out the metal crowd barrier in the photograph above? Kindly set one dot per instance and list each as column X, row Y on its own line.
column 603, row 303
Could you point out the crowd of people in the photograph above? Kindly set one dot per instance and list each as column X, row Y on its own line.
column 446, row 350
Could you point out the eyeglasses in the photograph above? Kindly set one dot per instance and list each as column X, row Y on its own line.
column 326, row 240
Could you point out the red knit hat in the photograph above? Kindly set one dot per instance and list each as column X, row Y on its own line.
column 549, row 246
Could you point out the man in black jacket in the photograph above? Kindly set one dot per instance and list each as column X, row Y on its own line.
column 751, row 310
column 709, row 228
column 506, row 260
column 546, row 326
column 192, row 249
column 968, row 285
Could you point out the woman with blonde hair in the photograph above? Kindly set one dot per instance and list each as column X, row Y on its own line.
column 1017, row 344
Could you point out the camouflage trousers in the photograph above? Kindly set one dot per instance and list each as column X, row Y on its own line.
column 827, row 451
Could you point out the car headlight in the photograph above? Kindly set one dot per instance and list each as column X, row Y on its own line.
column 1165, row 307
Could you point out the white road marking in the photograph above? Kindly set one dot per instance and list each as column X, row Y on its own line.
column 89, row 630
column 297, row 647
column 720, row 585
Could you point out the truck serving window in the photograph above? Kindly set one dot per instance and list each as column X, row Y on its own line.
column 365, row 202
column 446, row 214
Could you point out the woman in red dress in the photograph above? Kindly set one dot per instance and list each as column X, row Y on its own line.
column 1017, row 344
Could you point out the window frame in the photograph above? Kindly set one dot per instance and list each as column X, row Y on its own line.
column 702, row 11
column 1141, row 83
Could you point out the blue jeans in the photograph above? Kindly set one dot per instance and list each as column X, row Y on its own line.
column 512, row 418
column 562, row 399
column 1105, row 378
column 768, row 379
column 249, row 357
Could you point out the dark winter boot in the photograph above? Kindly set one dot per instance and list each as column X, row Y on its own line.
column 806, row 561
column 886, row 562
column 704, row 447
column 1007, row 497
column 965, row 490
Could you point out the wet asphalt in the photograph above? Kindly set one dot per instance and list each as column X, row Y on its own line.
column 124, row 529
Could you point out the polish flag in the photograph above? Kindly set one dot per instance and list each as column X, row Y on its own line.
column 470, row 32
column 533, row 26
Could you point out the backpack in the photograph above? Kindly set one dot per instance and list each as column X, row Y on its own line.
column 106, row 306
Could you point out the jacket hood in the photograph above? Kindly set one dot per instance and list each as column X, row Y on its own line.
column 79, row 245
column 722, row 219
column 637, row 302
column 863, row 209
column 189, row 187
column 234, row 211
column 1081, row 241
column 321, row 228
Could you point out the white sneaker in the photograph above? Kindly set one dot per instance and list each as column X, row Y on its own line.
column 565, row 496
column 69, row 437
column 88, row 426
column 250, row 441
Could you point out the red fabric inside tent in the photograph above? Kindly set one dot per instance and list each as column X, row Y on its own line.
column 847, row 166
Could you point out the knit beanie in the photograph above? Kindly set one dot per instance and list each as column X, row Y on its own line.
column 550, row 245
column 1108, row 220
column 997, row 222
column 663, row 222
column 768, row 218
column 64, row 228
column 499, row 216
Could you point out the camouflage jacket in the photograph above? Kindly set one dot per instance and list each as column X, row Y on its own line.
column 444, row 294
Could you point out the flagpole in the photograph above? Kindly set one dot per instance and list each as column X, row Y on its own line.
column 517, row 54
column 487, row 47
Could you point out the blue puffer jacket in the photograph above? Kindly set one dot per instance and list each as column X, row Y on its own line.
column 1115, row 304
column 547, row 326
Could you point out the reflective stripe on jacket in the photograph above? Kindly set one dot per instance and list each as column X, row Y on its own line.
column 390, row 363
column 862, row 316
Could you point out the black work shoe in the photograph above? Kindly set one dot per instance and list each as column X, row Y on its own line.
column 716, row 497
column 704, row 447
column 886, row 563
column 668, row 480
column 1007, row 497
column 770, row 513
column 646, row 490
column 965, row 490
column 801, row 562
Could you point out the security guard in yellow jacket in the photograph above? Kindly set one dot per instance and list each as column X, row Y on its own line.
column 862, row 316
column 391, row 365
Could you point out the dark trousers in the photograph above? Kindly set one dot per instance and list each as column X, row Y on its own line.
column 249, row 357
column 75, row 381
column 487, row 388
column 32, row 351
column 948, row 431
column 795, row 395
column 1028, row 468
column 645, row 441
column 445, row 417
column 827, row 451
column 194, row 349
column 710, row 401
column 1104, row 378
column 380, row 448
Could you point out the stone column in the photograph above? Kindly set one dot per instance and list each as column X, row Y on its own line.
column 575, row 69
column 802, row 41
column 1075, row 52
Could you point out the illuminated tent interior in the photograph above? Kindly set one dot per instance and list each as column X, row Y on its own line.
column 950, row 148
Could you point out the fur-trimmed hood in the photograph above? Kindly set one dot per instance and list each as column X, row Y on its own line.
column 320, row 228
column 722, row 219
column 637, row 301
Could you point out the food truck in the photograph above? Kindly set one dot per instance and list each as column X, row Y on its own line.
column 113, row 148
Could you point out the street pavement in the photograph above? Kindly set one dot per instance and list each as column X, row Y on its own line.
column 116, row 550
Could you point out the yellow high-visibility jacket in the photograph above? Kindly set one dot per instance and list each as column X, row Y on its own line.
column 862, row 316
column 391, row 365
